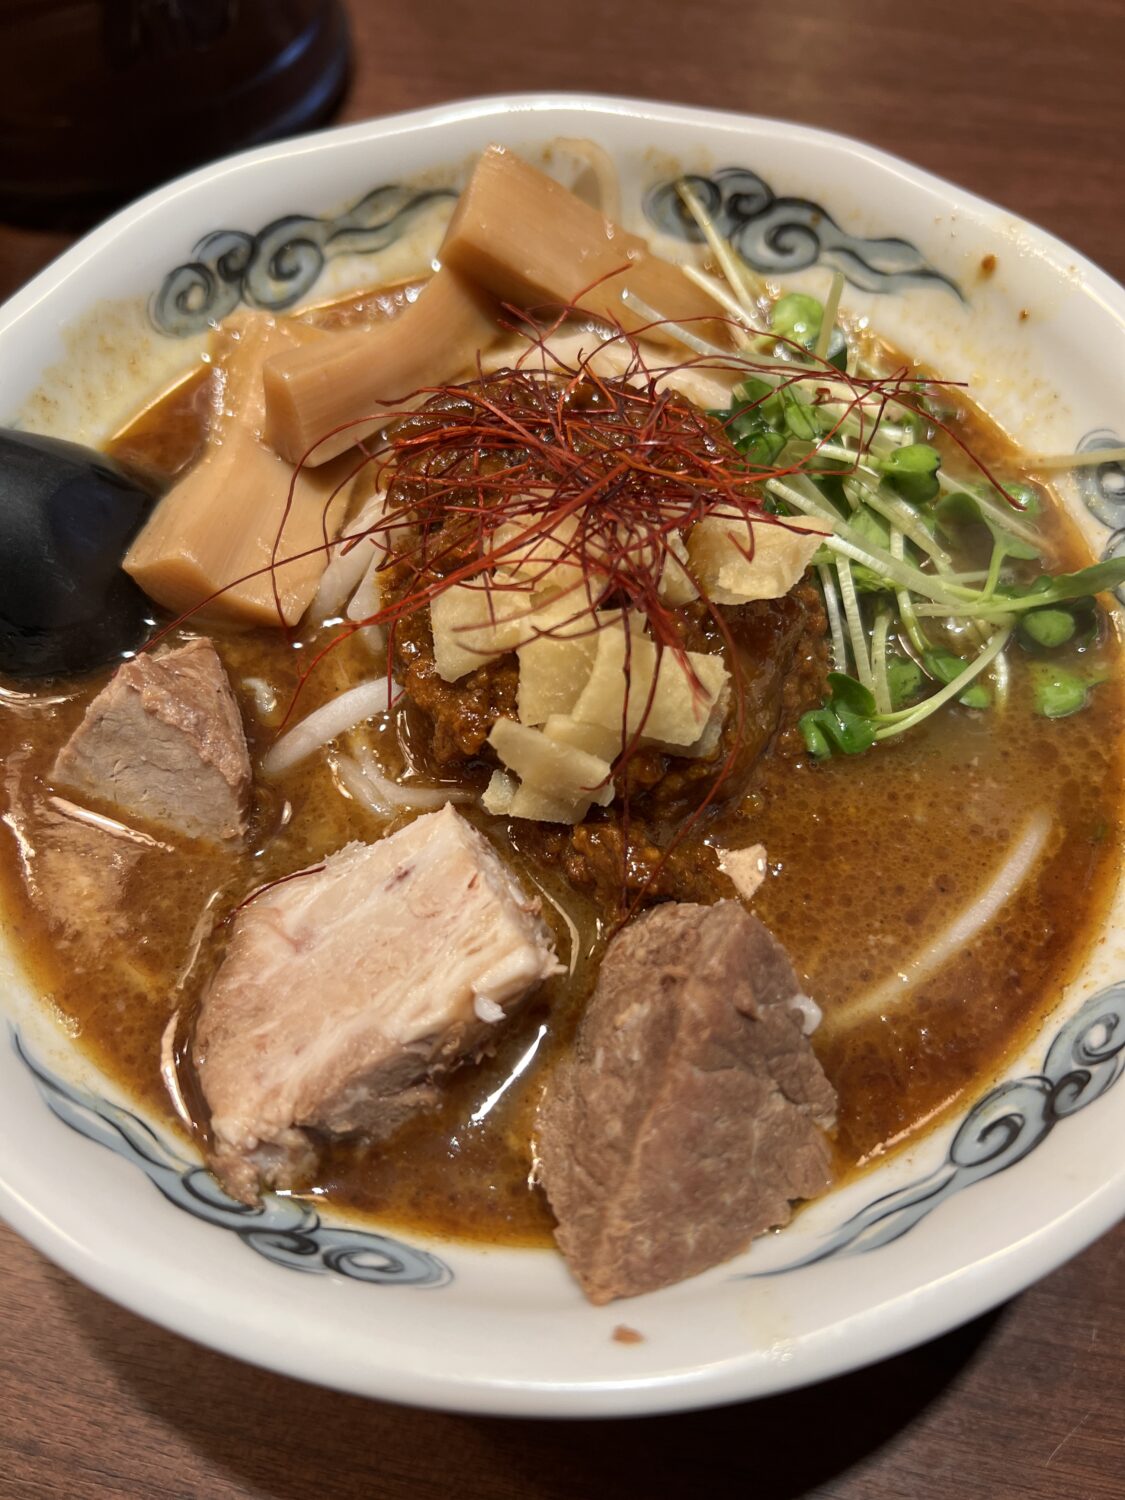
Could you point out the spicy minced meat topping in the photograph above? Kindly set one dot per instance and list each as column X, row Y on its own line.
column 651, row 840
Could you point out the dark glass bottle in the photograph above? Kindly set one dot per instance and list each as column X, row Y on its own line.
column 100, row 99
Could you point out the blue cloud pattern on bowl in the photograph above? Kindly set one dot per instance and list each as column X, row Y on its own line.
column 285, row 1230
column 1085, row 1059
column 274, row 268
column 781, row 235
column 1103, row 490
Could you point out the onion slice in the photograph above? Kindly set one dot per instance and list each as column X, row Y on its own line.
column 349, row 560
column 386, row 798
column 367, row 601
column 893, row 992
column 344, row 712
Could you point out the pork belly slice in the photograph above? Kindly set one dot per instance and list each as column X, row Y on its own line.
column 163, row 743
column 346, row 994
column 692, row 1111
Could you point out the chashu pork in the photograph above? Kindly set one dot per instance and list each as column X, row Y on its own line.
column 692, row 1110
column 163, row 743
column 347, row 992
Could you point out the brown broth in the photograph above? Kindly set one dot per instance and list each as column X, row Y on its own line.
column 870, row 859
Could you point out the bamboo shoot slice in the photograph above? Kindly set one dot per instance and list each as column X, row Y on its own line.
column 527, row 239
column 474, row 623
column 594, row 739
column 558, row 771
column 351, row 376
column 544, row 558
column 497, row 795
column 706, row 745
column 620, row 689
column 705, row 385
column 676, row 585
column 540, row 807
column 240, row 347
column 780, row 554
column 553, row 672
column 468, row 628
column 215, row 532
column 606, row 357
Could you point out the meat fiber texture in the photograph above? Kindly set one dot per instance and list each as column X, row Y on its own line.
column 692, row 1110
column 347, row 992
column 163, row 743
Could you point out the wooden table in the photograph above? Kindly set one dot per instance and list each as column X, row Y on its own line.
column 1020, row 101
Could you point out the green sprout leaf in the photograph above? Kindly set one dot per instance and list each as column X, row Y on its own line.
column 1049, row 628
column 904, row 678
column 762, row 397
column 803, row 421
column 1057, row 692
column 755, row 423
column 852, row 694
column 797, row 317
column 916, row 423
column 837, row 353
column 1029, row 500
column 873, row 528
column 760, row 445
column 912, row 471
column 1108, row 574
column 946, row 666
column 847, row 722
column 962, row 509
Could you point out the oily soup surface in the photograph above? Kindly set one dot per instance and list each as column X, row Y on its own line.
column 871, row 858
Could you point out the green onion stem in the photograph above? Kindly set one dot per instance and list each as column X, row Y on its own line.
column 794, row 496
column 882, row 686
column 689, row 339
column 856, row 633
column 1089, row 459
column 892, row 509
column 999, row 609
column 905, row 602
column 869, row 555
column 745, row 285
column 847, row 456
column 993, row 578
column 905, row 574
column 1000, row 678
column 828, row 317
column 715, row 288
column 835, row 623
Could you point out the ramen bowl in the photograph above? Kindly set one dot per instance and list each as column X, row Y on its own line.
column 998, row 1193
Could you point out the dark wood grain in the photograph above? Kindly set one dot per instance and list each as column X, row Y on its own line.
column 1022, row 102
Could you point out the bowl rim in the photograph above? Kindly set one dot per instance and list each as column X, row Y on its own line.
column 882, row 1330
column 410, row 122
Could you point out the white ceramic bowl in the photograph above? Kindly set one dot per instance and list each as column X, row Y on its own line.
column 937, row 1235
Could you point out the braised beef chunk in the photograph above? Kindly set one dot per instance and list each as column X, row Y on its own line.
column 346, row 992
column 163, row 743
column 692, row 1110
